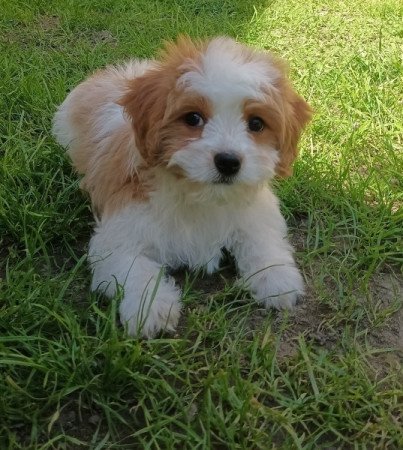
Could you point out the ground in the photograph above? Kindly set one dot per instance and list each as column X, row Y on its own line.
column 325, row 375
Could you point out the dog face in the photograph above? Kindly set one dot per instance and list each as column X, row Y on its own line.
column 216, row 113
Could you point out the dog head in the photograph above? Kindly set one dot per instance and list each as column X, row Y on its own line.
column 216, row 113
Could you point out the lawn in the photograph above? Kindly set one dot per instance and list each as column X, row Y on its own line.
column 328, row 374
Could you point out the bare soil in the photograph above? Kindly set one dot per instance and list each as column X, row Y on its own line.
column 313, row 318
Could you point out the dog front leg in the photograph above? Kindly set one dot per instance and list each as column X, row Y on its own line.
column 150, row 299
column 265, row 261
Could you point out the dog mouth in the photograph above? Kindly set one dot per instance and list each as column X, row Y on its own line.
column 224, row 180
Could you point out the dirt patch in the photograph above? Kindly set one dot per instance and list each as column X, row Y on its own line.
column 44, row 29
column 387, row 295
column 103, row 37
column 307, row 318
column 48, row 23
column 47, row 30
column 314, row 319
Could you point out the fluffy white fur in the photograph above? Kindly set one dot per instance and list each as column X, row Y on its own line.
column 187, row 219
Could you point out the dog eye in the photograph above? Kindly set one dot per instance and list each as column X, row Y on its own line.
column 193, row 119
column 256, row 124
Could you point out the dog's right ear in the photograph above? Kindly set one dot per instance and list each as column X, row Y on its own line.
column 147, row 97
column 145, row 104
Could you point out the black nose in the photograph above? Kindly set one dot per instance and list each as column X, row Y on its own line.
column 227, row 163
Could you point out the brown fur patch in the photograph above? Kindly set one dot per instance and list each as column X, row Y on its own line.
column 106, row 162
column 285, row 113
column 148, row 96
column 268, row 135
column 182, row 53
column 292, row 113
column 176, row 133
column 110, row 179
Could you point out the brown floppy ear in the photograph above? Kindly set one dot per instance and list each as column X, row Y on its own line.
column 145, row 103
column 296, row 114
column 147, row 97
column 291, row 114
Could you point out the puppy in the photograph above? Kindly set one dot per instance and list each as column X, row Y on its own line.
column 176, row 154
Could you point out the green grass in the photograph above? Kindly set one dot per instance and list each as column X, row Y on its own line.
column 328, row 375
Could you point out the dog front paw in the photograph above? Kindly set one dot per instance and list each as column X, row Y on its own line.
column 146, row 315
column 277, row 287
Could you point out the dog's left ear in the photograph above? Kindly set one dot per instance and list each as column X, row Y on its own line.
column 296, row 114
column 293, row 113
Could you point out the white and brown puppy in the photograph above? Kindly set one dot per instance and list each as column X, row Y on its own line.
column 176, row 154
